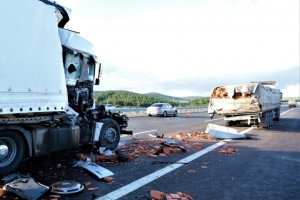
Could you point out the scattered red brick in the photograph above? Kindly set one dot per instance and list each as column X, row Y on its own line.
column 93, row 188
column 155, row 148
column 87, row 184
column 109, row 179
column 187, row 196
column 2, row 192
column 192, row 136
column 157, row 195
column 175, row 196
column 228, row 150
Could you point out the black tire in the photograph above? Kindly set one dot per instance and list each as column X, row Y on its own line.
column 12, row 151
column 175, row 113
column 228, row 123
column 165, row 114
column 265, row 120
column 277, row 115
column 110, row 134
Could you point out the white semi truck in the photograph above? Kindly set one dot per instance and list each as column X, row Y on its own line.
column 255, row 103
column 47, row 75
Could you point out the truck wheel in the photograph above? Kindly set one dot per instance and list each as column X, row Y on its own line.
column 277, row 115
column 267, row 120
column 12, row 149
column 109, row 134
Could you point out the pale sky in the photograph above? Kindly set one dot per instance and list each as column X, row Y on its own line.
column 187, row 47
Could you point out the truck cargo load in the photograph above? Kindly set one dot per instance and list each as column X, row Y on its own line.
column 255, row 103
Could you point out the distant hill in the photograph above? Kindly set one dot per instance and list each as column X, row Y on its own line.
column 122, row 98
column 166, row 97
column 172, row 98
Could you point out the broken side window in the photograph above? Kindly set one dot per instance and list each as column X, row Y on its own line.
column 72, row 68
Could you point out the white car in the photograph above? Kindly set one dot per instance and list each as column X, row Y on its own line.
column 109, row 107
column 162, row 109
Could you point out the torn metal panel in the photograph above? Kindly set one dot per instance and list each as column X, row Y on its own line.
column 12, row 177
column 26, row 188
column 92, row 167
column 222, row 132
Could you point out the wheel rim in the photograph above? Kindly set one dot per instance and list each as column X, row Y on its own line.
column 8, row 151
column 110, row 135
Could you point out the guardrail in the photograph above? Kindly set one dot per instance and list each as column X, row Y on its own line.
column 143, row 111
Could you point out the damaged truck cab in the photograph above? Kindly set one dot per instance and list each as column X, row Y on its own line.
column 47, row 81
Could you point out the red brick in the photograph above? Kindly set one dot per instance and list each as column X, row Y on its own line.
column 187, row 196
column 108, row 179
column 157, row 195
column 2, row 192
column 175, row 196
column 167, row 150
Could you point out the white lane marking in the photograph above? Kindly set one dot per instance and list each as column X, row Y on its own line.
column 139, row 133
column 144, row 132
column 155, row 175
column 213, row 120
column 287, row 111
column 151, row 135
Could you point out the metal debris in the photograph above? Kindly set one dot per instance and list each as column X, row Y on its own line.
column 92, row 167
column 222, row 132
column 66, row 187
column 26, row 188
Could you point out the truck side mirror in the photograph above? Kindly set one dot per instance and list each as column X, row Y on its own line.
column 97, row 81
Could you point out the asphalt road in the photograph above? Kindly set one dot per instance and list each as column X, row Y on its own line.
column 264, row 166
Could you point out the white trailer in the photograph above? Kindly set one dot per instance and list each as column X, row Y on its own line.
column 256, row 103
column 47, row 74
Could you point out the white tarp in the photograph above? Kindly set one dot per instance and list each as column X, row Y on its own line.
column 31, row 68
